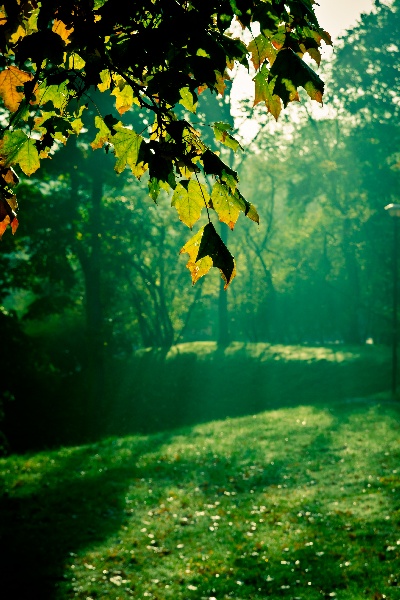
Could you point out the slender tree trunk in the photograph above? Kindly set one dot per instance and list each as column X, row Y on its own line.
column 90, row 259
column 352, row 333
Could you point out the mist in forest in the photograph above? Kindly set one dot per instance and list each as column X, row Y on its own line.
column 105, row 333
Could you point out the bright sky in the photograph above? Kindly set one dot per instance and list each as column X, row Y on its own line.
column 338, row 15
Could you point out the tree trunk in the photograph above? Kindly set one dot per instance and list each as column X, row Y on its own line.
column 352, row 332
column 89, row 256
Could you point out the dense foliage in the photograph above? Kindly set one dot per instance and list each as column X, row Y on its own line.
column 152, row 57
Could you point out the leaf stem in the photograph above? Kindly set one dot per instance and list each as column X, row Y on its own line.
column 202, row 193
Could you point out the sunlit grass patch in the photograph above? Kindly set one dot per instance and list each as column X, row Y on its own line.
column 301, row 502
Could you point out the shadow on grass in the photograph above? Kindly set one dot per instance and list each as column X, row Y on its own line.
column 80, row 502
column 67, row 510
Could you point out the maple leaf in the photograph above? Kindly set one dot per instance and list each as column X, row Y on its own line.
column 228, row 205
column 188, row 100
column 105, row 80
column 221, row 133
column 292, row 72
column 220, row 84
column 11, row 79
column 206, row 250
column 213, row 165
column 17, row 149
column 8, row 203
column 74, row 61
column 261, row 48
column 58, row 95
column 103, row 135
column 127, row 146
column 3, row 16
column 124, row 98
column 61, row 29
column 189, row 198
column 264, row 92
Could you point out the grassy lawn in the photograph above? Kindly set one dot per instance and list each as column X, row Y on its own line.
column 296, row 502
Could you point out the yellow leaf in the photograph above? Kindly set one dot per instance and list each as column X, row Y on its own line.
column 3, row 16
column 10, row 79
column 61, row 29
column 18, row 34
column 105, row 77
column 226, row 204
column 197, row 268
column 206, row 250
column 124, row 98
column 103, row 135
column 74, row 61
column 189, row 199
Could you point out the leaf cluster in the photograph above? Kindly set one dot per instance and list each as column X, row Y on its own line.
column 152, row 57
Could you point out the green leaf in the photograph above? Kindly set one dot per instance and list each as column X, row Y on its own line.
column 188, row 100
column 228, row 205
column 189, row 199
column 221, row 133
column 292, row 72
column 261, row 48
column 127, row 146
column 206, row 250
column 264, row 92
column 59, row 95
column 17, row 149
column 213, row 165
column 154, row 188
column 103, row 135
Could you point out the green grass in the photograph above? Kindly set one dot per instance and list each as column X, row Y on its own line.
column 301, row 502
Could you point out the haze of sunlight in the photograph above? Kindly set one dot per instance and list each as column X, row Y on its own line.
column 167, row 441
column 336, row 16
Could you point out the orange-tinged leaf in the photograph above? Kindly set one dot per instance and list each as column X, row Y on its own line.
column 3, row 225
column 10, row 176
column 220, row 84
column 124, row 98
column 229, row 204
column 226, row 205
column 103, row 135
column 10, row 79
column 290, row 72
column 14, row 225
column 264, row 91
column 61, row 29
column 3, row 16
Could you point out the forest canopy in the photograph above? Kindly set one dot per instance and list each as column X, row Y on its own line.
column 154, row 59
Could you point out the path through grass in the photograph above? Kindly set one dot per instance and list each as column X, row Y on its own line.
column 297, row 503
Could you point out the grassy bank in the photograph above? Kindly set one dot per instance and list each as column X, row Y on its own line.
column 300, row 502
column 156, row 390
